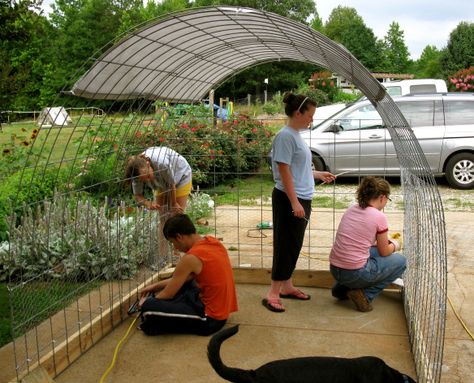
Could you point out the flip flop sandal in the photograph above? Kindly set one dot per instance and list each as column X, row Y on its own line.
column 297, row 294
column 270, row 305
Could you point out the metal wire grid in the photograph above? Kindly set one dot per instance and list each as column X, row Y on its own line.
column 180, row 58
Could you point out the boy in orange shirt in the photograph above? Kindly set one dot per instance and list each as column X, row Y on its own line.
column 200, row 295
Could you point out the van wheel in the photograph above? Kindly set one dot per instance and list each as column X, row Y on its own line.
column 460, row 171
column 317, row 163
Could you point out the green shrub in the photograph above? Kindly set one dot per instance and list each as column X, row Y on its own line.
column 101, row 176
column 346, row 97
column 317, row 95
column 215, row 153
column 5, row 325
column 274, row 106
column 26, row 188
column 200, row 205
column 19, row 152
column 69, row 238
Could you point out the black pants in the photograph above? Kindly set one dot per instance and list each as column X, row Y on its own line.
column 182, row 314
column 288, row 234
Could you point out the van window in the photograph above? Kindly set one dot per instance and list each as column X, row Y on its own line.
column 423, row 88
column 459, row 112
column 364, row 117
column 422, row 113
column 394, row 90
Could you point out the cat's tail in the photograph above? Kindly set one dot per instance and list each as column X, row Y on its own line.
column 236, row 375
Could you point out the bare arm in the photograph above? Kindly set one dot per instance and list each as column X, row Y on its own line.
column 287, row 180
column 326, row 177
column 385, row 247
column 146, row 203
column 188, row 266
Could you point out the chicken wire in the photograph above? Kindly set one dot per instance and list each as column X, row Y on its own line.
column 114, row 247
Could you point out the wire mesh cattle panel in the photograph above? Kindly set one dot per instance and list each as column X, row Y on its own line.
column 76, row 233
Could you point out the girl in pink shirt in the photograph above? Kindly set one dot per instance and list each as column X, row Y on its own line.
column 363, row 259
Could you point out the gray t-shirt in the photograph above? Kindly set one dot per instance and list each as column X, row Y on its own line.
column 289, row 148
column 170, row 168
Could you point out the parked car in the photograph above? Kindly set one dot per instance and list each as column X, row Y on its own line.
column 356, row 142
column 394, row 88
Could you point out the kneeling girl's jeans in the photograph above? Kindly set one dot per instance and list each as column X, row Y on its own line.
column 377, row 273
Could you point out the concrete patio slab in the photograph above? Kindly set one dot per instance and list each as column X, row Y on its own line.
column 321, row 326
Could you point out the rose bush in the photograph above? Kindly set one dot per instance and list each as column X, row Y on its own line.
column 215, row 153
column 462, row 81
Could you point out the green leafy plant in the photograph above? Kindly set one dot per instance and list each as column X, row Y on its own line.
column 346, row 97
column 325, row 82
column 318, row 95
column 26, row 188
column 68, row 237
column 200, row 205
column 18, row 151
column 215, row 153
column 275, row 105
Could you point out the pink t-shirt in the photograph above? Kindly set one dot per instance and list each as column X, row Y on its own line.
column 356, row 233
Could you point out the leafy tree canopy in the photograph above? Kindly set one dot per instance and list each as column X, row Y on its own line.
column 459, row 53
column 396, row 51
column 41, row 56
column 429, row 64
column 24, row 35
column 297, row 10
column 347, row 27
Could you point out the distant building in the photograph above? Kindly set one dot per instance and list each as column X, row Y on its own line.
column 347, row 87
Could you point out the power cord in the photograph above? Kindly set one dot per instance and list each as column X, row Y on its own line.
column 460, row 319
column 112, row 364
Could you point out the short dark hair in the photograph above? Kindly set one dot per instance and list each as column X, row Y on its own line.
column 178, row 224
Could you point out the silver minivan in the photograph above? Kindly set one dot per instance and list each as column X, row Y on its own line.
column 355, row 142
column 394, row 88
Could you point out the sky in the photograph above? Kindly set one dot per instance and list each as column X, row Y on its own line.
column 424, row 22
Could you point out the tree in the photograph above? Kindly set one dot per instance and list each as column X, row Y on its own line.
column 396, row 51
column 24, row 35
column 317, row 23
column 347, row 27
column 297, row 10
column 282, row 76
column 83, row 30
column 459, row 53
column 429, row 64
column 142, row 13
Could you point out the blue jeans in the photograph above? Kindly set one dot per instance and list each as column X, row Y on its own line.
column 377, row 274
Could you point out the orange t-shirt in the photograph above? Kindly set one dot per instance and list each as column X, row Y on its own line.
column 215, row 280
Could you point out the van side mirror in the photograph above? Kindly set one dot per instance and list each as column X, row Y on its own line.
column 334, row 128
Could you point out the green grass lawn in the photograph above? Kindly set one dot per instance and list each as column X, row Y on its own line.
column 243, row 191
column 35, row 302
column 53, row 144
column 5, row 323
column 257, row 189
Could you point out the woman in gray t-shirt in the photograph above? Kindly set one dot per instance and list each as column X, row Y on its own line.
column 291, row 198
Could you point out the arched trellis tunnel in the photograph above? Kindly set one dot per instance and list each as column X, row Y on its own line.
column 180, row 58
